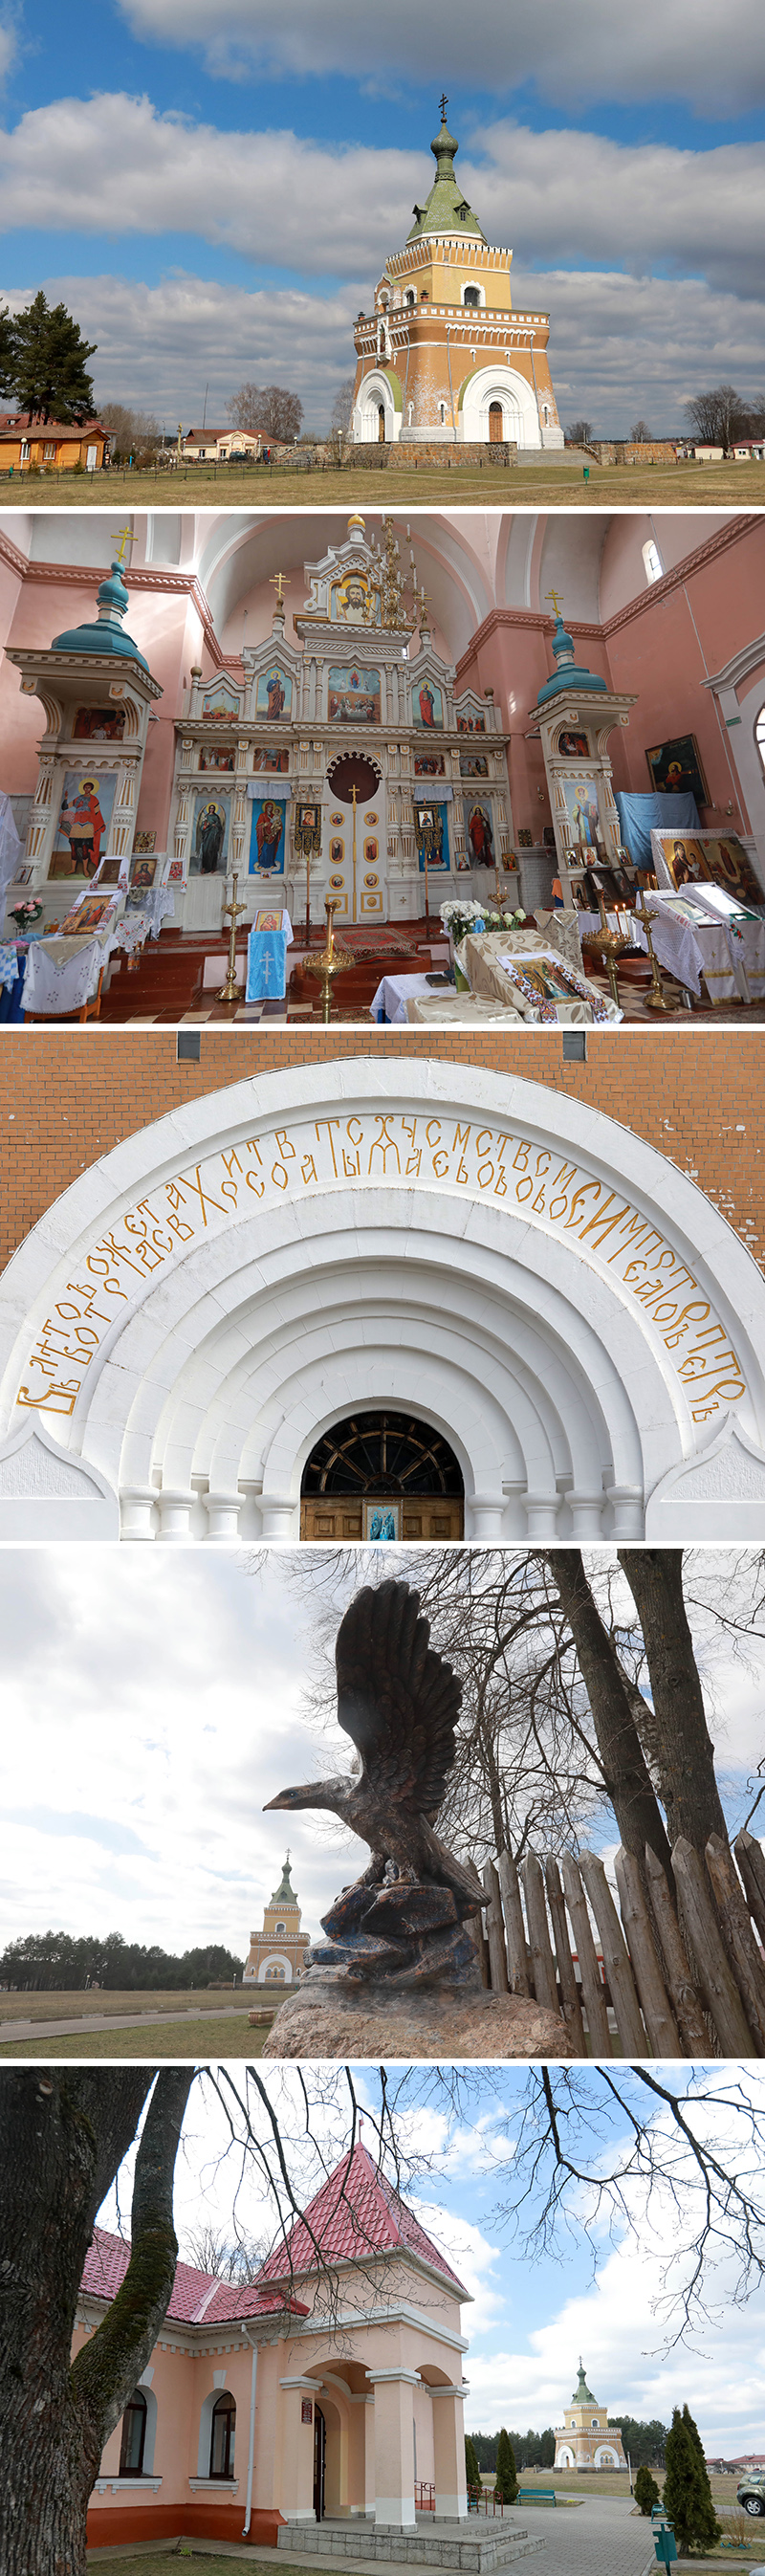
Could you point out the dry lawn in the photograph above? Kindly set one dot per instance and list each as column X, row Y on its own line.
column 545, row 485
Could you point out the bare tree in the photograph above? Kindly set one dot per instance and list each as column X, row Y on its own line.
column 343, row 406
column 718, row 417
column 134, row 433
column 640, row 432
column 269, row 412
column 579, row 432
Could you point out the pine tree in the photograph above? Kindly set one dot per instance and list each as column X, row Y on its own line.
column 7, row 350
column 646, row 2490
column 49, row 363
column 472, row 2471
column 506, row 2482
column 687, row 2492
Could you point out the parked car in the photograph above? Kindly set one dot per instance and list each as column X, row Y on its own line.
column 750, row 2491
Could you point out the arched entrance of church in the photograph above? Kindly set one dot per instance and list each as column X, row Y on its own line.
column 382, row 1475
column 495, row 423
column 492, row 1259
column 381, row 423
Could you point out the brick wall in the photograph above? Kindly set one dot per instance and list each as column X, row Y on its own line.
column 66, row 1099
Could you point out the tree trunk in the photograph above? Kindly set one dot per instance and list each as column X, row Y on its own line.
column 63, row 2136
column 684, row 1748
column 625, row 1770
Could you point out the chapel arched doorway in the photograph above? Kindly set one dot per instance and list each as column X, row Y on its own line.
column 381, row 423
column 495, row 423
column 382, row 1475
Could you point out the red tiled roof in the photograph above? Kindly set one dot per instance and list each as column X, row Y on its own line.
column 196, row 2298
column 24, row 420
column 354, row 2214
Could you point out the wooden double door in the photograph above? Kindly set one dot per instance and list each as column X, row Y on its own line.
column 342, row 1517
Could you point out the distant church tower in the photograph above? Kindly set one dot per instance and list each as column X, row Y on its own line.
column 586, row 2440
column 277, row 1954
column 444, row 356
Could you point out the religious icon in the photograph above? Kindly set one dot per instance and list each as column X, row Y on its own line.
column 471, row 724
column 175, row 872
column 473, row 764
column 371, row 881
column 144, row 841
column 212, row 757
column 675, row 769
column 272, row 757
column 273, row 697
column 429, row 764
column 109, row 872
column 336, row 853
column 209, row 837
column 481, row 837
column 382, row 1521
column 143, row 872
column 267, row 837
column 221, row 701
column 428, row 707
column 582, row 812
column 83, row 824
column 88, row 915
column 370, row 851
column 99, row 724
column 573, row 746
column 353, row 695
column 337, row 818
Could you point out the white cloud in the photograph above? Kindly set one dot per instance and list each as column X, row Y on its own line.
column 687, row 51
column 139, row 1760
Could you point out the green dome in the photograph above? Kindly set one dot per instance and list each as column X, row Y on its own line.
column 446, row 211
column 106, row 635
column 284, row 1894
column 582, row 2394
column 569, row 674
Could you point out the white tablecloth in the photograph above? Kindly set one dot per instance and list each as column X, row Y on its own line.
column 396, row 991
column 62, row 974
column 674, row 940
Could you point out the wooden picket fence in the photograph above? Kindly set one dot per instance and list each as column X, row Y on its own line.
column 685, row 1983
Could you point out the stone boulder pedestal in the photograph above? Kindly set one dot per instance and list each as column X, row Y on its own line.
column 324, row 2018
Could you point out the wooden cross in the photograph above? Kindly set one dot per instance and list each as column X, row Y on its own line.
column 121, row 537
column 276, row 583
column 553, row 595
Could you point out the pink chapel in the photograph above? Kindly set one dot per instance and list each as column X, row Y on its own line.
column 306, row 2395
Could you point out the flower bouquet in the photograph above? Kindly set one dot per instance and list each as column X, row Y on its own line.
column 26, row 915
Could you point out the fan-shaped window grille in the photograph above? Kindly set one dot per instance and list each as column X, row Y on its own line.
column 382, row 1453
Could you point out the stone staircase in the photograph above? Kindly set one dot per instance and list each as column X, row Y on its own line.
column 433, row 2543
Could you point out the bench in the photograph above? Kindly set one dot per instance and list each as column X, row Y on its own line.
column 536, row 2495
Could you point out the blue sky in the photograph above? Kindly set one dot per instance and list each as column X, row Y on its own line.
column 532, row 2312
column 213, row 192
column 159, row 1699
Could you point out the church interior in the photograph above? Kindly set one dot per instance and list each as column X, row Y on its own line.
column 524, row 782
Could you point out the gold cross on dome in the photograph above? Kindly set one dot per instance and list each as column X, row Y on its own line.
column 122, row 537
column 553, row 595
column 276, row 583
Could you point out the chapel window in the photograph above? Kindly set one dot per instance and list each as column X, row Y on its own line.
column 281, row 1927
column 222, row 2437
column 654, row 568
column 472, row 297
column 759, row 735
column 133, row 2442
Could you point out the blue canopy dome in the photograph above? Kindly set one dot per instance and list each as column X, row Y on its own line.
column 106, row 635
column 569, row 674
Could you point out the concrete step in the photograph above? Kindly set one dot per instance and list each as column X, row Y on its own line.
column 442, row 2544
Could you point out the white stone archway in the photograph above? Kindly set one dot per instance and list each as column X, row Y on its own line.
column 499, row 384
column 375, row 392
column 524, row 1274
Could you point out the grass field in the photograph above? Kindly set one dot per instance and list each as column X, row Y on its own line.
column 63, row 2005
column 546, row 485
column 204, row 2035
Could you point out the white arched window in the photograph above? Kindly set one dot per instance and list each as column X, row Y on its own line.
column 654, row 568
column 759, row 735
column 281, row 1927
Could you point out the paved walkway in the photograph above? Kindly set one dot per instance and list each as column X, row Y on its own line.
column 598, row 2536
column 10, row 2030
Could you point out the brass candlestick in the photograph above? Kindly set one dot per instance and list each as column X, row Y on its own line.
column 329, row 961
column 610, row 944
column 657, row 999
column 232, row 991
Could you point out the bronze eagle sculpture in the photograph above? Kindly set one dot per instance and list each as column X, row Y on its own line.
column 399, row 1702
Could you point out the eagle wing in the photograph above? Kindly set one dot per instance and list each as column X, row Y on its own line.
column 396, row 1698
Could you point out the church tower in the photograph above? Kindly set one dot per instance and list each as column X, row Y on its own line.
column 278, row 1952
column 444, row 357
column 586, row 2440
